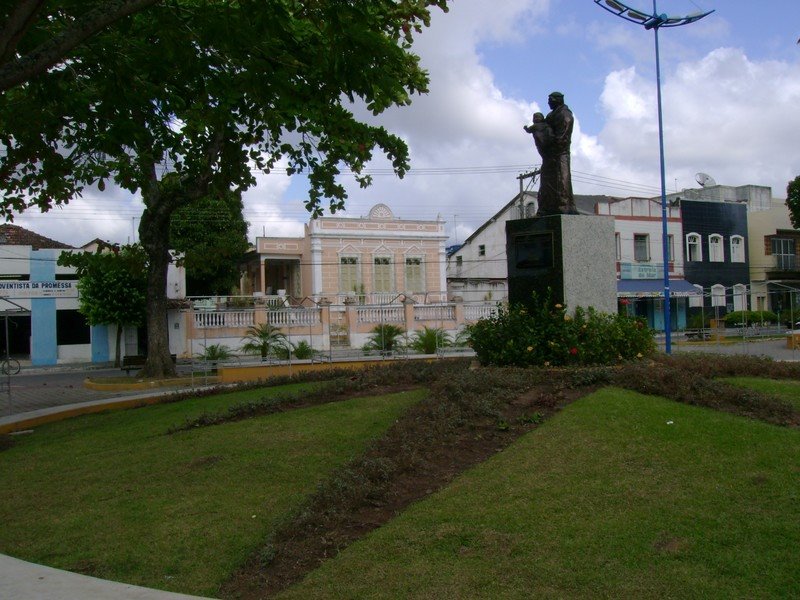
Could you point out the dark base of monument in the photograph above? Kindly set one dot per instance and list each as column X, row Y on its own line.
column 572, row 257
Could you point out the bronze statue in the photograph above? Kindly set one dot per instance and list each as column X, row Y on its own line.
column 552, row 136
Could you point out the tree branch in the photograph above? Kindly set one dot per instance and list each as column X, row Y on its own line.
column 17, row 24
column 55, row 50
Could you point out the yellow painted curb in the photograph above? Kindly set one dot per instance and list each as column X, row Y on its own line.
column 142, row 384
column 75, row 411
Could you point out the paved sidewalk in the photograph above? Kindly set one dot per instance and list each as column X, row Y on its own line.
column 20, row 580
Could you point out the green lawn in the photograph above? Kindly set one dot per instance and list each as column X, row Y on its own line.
column 618, row 496
column 787, row 389
column 111, row 495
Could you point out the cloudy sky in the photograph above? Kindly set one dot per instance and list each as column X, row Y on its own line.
column 731, row 97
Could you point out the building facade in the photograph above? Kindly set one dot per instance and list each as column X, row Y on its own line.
column 638, row 233
column 774, row 246
column 715, row 245
column 477, row 270
column 39, row 306
column 377, row 259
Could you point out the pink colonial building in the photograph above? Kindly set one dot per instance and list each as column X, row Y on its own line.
column 377, row 259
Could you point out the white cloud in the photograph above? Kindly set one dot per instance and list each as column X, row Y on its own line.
column 724, row 114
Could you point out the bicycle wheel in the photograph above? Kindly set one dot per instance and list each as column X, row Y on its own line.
column 10, row 366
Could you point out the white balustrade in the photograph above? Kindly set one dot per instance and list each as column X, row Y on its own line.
column 434, row 312
column 294, row 317
column 476, row 312
column 380, row 314
column 220, row 319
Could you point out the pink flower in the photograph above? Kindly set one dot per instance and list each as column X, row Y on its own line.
column 573, row 351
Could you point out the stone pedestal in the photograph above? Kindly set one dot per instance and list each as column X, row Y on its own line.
column 573, row 255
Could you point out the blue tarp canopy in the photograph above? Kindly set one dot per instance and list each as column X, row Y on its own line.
column 654, row 288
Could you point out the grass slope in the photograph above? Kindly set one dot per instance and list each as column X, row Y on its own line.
column 112, row 496
column 620, row 495
column 788, row 390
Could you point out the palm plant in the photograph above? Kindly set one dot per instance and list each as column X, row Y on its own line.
column 385, row 337
column 263, row 339
column 429, row 340
column 213, row 354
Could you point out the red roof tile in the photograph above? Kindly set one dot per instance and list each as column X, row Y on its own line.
column 14, row 235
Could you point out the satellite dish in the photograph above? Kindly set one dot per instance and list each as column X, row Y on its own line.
column 704, row 179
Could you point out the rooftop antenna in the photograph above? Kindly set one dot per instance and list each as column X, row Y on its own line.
column 705, row 180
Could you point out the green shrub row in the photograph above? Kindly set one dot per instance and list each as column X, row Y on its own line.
column 544, row 334
column 740, row 318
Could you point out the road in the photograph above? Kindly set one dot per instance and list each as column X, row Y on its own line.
column 33, row 389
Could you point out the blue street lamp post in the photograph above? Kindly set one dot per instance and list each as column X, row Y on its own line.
column 655, row 22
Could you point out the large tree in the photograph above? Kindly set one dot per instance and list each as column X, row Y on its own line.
column 35, row 37
column 111, row 283
column 210, row 91
column 211, row 235
column 793, row 201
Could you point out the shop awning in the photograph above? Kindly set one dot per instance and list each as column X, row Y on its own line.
column 654, row 288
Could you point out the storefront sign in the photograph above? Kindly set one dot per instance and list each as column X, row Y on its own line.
column 640, row 271
column 38, row 289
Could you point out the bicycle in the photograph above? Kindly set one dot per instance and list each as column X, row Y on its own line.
column 10, row 366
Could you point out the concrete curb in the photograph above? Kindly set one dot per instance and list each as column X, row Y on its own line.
column 41, row 416
column 20, row 579
column 99, row 386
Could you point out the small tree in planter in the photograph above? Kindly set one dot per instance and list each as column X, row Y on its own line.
column 264, row 339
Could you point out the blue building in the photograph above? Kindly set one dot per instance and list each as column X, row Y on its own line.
column 716, row 254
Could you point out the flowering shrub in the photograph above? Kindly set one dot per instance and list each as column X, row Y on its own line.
column 543, row 334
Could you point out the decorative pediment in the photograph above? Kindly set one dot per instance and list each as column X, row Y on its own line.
column 349, row 250
column 381, row 211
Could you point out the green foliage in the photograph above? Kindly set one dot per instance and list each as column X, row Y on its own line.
column 740, row 318
column 213, row 93
column 264, row 339
column 429, row 340
column 793, row 201
column 194, row 63
column 699, row 320
column 211, row 233
column 303, row 350
column 112, row 284
column 790, row 315
column 385, row 337
column 544, row 334
column 215, row 352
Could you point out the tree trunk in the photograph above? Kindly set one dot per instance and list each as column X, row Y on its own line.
column 117, row 362
column 160, row 202
column 154, row 236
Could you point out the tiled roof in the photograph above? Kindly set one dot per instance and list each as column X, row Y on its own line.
column 14, row 235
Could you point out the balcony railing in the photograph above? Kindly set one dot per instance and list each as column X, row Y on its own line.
column 786, row 262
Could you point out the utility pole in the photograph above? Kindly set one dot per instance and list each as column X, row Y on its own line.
column 522, row 176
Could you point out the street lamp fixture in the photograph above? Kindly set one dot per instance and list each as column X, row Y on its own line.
column 656, row 21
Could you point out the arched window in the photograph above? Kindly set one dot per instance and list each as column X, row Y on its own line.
column 715, row 251
column 737, row 249
column 694, row 252
column 718, row 295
